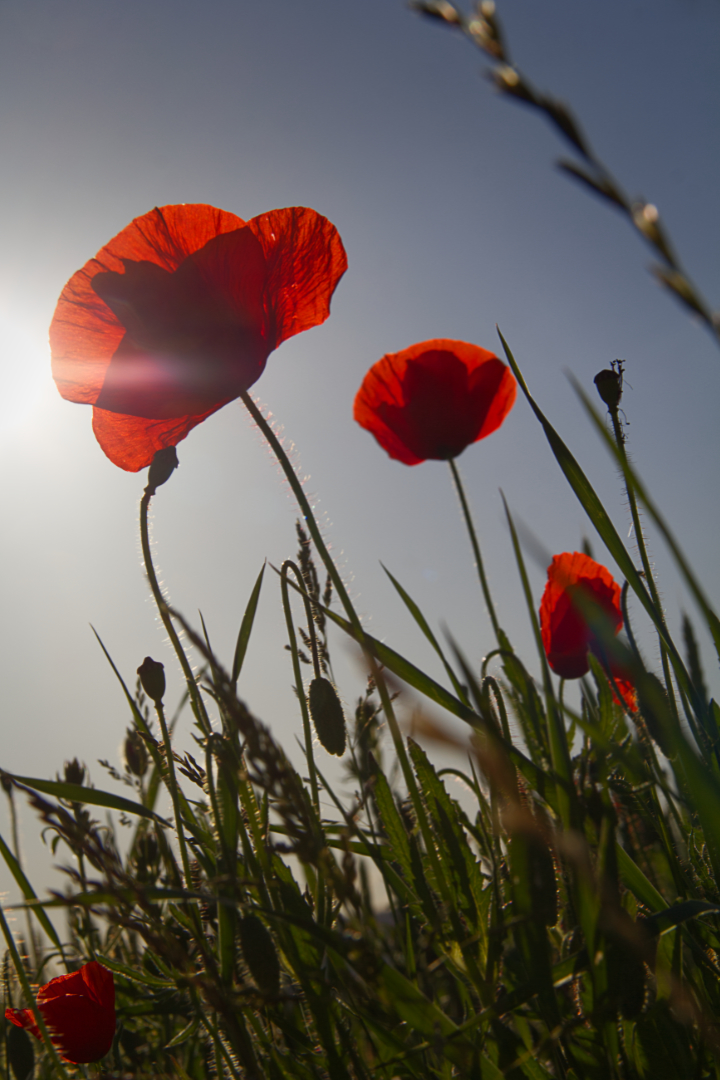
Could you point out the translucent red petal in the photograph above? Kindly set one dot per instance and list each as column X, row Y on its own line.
column 432, row 400
column 565, row 632
column 177, row 314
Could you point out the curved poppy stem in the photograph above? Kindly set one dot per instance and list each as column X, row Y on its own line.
column 30, row 998
column 358, row 632
column 476, row 548
column 297, row 490
column 160, row 603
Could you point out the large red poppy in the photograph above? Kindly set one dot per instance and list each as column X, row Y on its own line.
column 579, row 591
column 79, row 1011
column 434, row 399
column 178, row 314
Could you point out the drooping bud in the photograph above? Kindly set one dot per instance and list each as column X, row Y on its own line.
column 74, row 772
column 162, row 467
column 136, row 755
column 327, row 715
column 152, row 678
column 19, row 1051
column 609, row 386
column 259, row 954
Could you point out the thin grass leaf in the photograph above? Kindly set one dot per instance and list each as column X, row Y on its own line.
column 455, row 852
column 137, row 715
column 422, row 623
column 427, row 686
column 633, row 481
column 135, row 974
column 60, row 789
column 599, row 517
column 424, row 1016
column 662, row 921
column 587, row 497
column 632, row 876
column 246, row 629
column 29, row 893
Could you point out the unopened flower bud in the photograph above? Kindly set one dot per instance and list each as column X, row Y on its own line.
column 152, row 678
column 327, row 715
column 609, row 387
column 259, row 954
column 136, row 755
column 74, row 772
column 162, row 467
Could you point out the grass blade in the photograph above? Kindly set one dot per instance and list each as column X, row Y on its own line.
column 60, row 789
column 246, row 628
column 28, row 892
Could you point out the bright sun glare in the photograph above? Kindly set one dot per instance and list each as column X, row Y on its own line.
column 24, row 369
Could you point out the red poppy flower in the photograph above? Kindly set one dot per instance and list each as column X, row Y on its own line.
column 575, row 583
column 434, row 399
column 178, row 314
column 79, row 1010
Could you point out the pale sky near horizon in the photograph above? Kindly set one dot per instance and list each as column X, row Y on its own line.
column 454, row 219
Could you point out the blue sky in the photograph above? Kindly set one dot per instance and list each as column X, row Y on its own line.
column 454, row 219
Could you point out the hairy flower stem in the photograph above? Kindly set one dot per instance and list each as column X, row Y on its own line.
column 476, row 548
column 195, row 698
column 30, row 997
column 309, row 517
column 359, row 635
column 642, row 551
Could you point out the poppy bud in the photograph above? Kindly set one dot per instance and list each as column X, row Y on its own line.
column 152, row 678
column 74, row 772
column 20, row 1053
column 609, row 387
column 136, row 755
column 259, row 954
column 327, row 715
column 162, row 467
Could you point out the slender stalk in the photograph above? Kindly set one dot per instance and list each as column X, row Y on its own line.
column 30, row 997
column 476, row 548
column 297, row 490
column 196, row 699
column 642, row 551
column 16, row 851
column 286, row 566
column 173, row 786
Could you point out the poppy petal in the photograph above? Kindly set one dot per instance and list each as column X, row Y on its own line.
column 79, row 1012
column 574, row 582
column 100, row 983
column 132, row 441
column 23, row 1018
column 434, row 399
column 305, row 260
column 84, row 332
column 195, row 338
column 82, row 1029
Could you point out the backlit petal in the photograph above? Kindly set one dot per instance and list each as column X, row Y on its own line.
column 305, row 260
column 131, row 441
column 434, row 399
column 84, row 332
